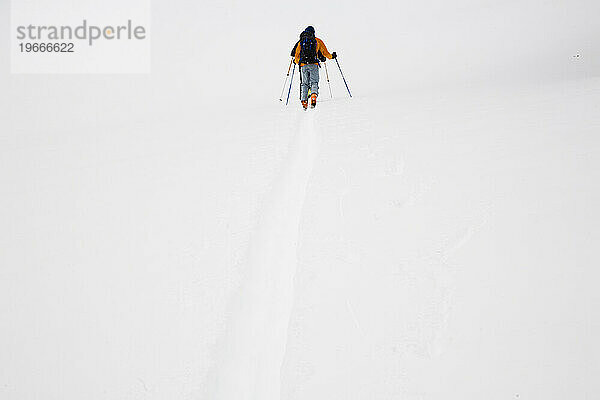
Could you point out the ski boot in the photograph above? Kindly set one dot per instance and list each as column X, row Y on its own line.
column 305, row 104
column 313, row 100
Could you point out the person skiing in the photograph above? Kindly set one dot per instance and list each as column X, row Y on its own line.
column 308, row 51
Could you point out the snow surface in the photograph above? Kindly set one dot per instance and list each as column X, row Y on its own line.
column 183, row 235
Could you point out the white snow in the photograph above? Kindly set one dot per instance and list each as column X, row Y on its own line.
column 183, row 235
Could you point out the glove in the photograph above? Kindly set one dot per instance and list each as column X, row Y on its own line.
column 333, row 55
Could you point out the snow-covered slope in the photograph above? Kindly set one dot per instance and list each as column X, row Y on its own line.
column 182, row 235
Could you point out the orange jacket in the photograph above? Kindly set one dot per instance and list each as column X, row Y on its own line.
column 320, row 47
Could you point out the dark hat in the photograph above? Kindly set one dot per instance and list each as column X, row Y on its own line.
column 310, row 29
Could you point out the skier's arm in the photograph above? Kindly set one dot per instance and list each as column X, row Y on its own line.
column 323, row 49
column 293, row 53
column 297, row 55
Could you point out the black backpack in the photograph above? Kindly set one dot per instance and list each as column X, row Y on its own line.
column 308, row 48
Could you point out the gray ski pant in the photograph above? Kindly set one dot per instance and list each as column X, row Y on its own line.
column 310, row 79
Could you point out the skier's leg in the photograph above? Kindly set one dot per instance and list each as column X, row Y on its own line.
column 314, row 79
column 305, row 82
column 314, row 84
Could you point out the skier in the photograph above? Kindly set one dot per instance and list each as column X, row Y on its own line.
column 308, row 51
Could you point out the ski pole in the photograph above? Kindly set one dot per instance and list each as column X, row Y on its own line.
column 329, row 83
column 284, row 82
column 338, row 64
column 290, row 89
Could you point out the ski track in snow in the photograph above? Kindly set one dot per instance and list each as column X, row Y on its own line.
column 250, row 359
